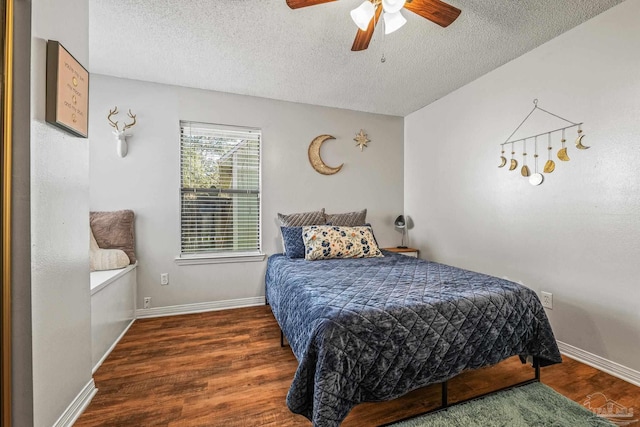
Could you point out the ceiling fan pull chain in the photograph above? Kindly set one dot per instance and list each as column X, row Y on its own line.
column 383, row 59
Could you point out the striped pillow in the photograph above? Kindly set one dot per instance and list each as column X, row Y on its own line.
column 303, row 218
column 349, row 219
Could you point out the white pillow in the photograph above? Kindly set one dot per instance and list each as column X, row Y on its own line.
column 105, row 259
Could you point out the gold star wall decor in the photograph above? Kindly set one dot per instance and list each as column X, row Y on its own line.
column 361, row 139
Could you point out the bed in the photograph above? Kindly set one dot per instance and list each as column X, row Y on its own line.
column 373, row 329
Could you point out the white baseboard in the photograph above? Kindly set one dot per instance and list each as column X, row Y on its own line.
column 108, row 352
column 199, row 307
column 77, row 407
column 617, row 370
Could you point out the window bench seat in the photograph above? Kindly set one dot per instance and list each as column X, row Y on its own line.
column 100, row 279
column 113, row 300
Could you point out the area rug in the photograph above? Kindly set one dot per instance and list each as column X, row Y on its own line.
column 530, row 405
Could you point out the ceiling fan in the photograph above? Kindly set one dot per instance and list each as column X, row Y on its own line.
column 368, row 13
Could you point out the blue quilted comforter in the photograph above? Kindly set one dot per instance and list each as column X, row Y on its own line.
column 376, row 328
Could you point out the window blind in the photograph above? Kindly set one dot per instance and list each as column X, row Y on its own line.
column 219, row 189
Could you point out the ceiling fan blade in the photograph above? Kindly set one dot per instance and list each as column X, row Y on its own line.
column 436, row 11
column 364, row 37
column 296, row 4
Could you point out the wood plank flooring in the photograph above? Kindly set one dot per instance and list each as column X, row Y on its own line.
column 226, row 368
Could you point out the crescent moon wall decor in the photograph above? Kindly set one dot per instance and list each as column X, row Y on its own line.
column 538, row 178
column 316, row 160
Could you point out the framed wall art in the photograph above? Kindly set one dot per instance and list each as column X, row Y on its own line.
column 67, row 91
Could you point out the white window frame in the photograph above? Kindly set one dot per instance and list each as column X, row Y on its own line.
column 222, row 257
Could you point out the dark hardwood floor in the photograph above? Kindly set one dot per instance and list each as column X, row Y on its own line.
column 226, row 368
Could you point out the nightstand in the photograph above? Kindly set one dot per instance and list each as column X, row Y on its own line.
column 412, row 252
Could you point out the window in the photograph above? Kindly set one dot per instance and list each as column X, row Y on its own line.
column 219, row 190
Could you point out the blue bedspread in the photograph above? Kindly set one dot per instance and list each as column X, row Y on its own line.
column 376, row 328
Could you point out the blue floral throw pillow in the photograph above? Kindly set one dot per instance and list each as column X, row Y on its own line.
column 327, row 242
column 293, row 243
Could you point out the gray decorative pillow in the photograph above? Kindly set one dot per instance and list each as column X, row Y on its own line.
column 349, row 219
column 301, row 219
column 114, row 230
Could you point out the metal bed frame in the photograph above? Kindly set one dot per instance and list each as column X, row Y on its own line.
column 444, row 405
column 445, row 395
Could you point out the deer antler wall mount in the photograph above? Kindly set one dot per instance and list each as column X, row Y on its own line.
column 121, row 135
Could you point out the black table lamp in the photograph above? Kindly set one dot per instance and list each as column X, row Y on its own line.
column 402, row 225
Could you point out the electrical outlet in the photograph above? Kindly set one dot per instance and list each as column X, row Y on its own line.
column 164, row 278
column 547, row 299
column 147, row 302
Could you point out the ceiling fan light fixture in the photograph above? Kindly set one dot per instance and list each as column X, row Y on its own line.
column 392, row 6
column 393, row 21
column 363, row 14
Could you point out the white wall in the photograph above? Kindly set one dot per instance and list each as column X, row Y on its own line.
column 578, row 234
column 147, row 180
column 61, row 317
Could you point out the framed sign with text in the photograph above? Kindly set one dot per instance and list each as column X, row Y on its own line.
column 67, row 91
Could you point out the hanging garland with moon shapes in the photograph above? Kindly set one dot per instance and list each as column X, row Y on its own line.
column 537, row 178
column 316, row 160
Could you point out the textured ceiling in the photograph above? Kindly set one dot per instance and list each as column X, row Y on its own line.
column 263, row 48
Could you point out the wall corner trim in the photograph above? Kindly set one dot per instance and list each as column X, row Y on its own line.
column 612, row 368
column 77, row 407
column 199, row 307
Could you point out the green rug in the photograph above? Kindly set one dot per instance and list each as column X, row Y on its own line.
column 530, row 405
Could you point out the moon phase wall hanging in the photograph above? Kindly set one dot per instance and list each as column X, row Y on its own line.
column 537, row 178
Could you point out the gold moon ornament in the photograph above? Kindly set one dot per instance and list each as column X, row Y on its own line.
column 579, row 143
column 316, row 160
column 503, row 159
column 550, row 166
column 562, row 154
column 525, row 169
column 514, row 162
